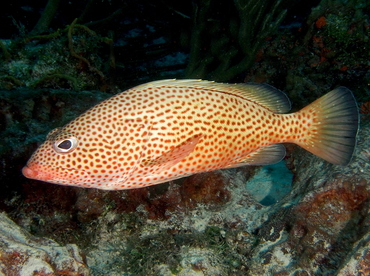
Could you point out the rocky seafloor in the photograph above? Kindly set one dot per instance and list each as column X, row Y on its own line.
column 302, row 216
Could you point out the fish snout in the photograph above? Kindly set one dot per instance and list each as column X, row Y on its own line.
column 56, row 175
column 29, row 173
column 38, row 172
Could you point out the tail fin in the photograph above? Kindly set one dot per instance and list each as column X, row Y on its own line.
column 335, row 126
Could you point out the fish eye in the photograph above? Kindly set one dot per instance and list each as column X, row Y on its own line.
column 65, row 145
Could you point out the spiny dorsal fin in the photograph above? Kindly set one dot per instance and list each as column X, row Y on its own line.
column 260, row 93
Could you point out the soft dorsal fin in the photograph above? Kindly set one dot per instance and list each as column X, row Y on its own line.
column 260, row 93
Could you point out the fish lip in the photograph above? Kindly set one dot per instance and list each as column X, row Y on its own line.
column 29, row 173
column 35, row 172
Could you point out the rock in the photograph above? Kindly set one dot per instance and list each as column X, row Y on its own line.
column 323, row 226
column 358, row 260
column 23, row 254
column 270, row 183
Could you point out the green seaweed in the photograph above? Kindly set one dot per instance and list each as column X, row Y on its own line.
column 46, row 17
column 7, row 55
column 224, row 55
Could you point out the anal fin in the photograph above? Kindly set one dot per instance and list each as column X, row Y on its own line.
column 264, row 156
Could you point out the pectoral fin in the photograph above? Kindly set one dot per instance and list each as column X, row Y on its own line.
column 173, row 156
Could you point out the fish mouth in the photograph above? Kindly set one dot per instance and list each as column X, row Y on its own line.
column 29, row 173
column 57, row 175
column 36, row 172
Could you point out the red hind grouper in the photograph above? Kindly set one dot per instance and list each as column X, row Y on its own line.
column 169, row 129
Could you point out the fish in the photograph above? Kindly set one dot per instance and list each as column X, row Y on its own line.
column 168, row 129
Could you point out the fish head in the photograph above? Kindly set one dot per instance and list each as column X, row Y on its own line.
column 97, row 155
column 56, row 160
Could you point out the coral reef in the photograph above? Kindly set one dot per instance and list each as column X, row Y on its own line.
column 310, row 59
column 40, row 61
column 24, row 254
column 318, row 233
column 81, row 52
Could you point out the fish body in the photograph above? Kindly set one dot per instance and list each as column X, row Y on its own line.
column 169, row 129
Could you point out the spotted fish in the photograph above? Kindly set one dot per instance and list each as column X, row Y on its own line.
column 168, row 129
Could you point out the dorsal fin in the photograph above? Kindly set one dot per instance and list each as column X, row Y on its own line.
column 260, row 93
